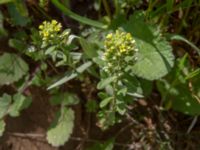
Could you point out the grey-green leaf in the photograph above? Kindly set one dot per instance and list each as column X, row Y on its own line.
column 65, row 99
column 5, row 102
column 155, row 58
column 105, row 102
column 12, row 68
column 83, row 67
column 89, row 48
column 61, row 128
column 20, row 102
column 104, row 82
column 68, row 77
column 2, row 127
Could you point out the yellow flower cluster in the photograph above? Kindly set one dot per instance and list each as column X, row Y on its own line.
column 119, row 43
column 48, row 29
column 119, row 46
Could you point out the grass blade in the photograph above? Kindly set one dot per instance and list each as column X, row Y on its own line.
column 76, row 17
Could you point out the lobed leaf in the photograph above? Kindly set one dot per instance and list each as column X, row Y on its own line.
column 155, row 58
column 61, row 128
column 12, row 68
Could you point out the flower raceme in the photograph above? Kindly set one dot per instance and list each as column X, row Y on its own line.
column 120, row 51
column 48, row 30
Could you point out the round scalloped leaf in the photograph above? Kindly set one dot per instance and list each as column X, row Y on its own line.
column 61, row 128
column 12, row 68
column 155, row 58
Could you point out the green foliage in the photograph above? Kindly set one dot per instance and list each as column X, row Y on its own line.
column 5, row 102
column 181, row 38
column 176, row 92
column 18, row 13
column 5, row 1
column 12, row 106
column 12, row 68
column 64, row 99
column 128, row 57
column 71, row 75
column 61, row 128
column 155, row 58
column 89, row 48
column 76, row 17
column 2, row 127
column 108, row 145
column 123, row 55
column 3, row 32
column 20, row 102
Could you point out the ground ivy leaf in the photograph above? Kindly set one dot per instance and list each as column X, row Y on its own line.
column 155, row 58
column 20, row 102
column 61, row 128
column 5, row 102
column 12, row 68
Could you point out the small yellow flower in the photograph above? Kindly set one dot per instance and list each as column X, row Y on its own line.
column 118, row 46
column 46, row 34
column 41, row 27
column 109, row 36
column 54, row 22
column 49, row 29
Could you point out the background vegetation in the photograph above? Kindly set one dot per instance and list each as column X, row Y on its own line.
column 99, row 75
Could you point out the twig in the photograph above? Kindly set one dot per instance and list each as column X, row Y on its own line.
column 123, row 129
column 194, row 121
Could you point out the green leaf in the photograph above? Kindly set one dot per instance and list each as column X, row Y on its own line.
column 155, row 58
column 65, row 99
column 68, row 77
column 12, row 68
column 83, row 67
column 5, row 102
column 193, row 74
column 104, row 82
column 61, row 128
column 16, row 17
column 3, row 32
column 50, row 50
column 117, row 21
column 17, row 44
column 180, row 98
column 2, row 127
column 170, row 4
column 5, row 1
column 21, row 7
column 71, row 75
column 20, row 102
column 108, row 145
column 105, row 102
column 89, row 48
column 177, row 94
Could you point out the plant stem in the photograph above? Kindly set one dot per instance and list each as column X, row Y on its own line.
column 116, row 7
column 107, row 8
